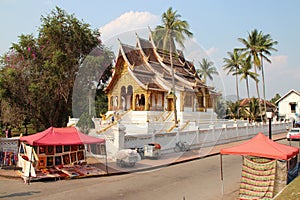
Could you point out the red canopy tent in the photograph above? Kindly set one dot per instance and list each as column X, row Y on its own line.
column 60, row 136
column 260, row 146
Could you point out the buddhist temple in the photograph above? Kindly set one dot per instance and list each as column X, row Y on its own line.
column 142, row 81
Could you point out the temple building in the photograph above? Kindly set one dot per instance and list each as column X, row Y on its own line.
column 142, row 81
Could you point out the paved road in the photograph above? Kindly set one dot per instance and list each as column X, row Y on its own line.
column 199, row 179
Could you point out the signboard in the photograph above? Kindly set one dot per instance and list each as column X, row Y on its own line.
column 9, row 144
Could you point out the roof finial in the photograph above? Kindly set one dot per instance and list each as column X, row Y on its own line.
column 149, row 29
column 119, row 41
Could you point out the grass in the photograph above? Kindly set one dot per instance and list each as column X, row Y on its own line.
column 291, row 192
column 16, row 132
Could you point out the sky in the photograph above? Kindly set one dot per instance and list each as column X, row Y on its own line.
column 216, row 26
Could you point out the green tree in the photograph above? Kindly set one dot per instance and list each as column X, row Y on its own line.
column 232, row 65
column 253, row 46
column 267, row 44
column 252, row 110
column 220, row 108
column 164, row 35
column 245, row 73
column 38, row 74
column 206, row 70
column 233, row 109
column 85, row 123
column 101, row 104
column 275, row 98
column 92, row 76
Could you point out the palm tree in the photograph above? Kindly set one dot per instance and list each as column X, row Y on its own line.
column 232, row 64
column 245, row 73
column 172, row 28
column 206, row 70
column 267, row 44
column 252, row 110
column 253, row 47
column 233, row 109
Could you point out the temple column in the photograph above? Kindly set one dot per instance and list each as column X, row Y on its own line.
column 163, row 101
column 206, row 101
column 148, row 101
column 109, row 101
column 193, row 103
column 182, row 100
column 134, row 101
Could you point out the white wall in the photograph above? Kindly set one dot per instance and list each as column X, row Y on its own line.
column 205, row 137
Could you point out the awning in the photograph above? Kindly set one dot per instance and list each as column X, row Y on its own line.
column 60, row 136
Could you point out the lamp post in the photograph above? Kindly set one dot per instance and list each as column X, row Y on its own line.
column 269, row 115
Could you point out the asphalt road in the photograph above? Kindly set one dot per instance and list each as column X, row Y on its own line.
column 199, row 179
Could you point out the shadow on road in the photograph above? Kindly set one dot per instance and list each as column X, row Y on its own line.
column 20, row 194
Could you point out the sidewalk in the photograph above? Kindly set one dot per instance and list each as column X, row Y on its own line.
column 148, row 164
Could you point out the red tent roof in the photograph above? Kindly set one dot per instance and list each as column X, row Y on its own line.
column 262, row 146
column 60, row 136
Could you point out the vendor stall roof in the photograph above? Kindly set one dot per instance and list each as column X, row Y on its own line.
column 262, row 146
column 60, row 136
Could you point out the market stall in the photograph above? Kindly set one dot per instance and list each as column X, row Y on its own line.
column 57, row 153
column 266, row 166
column 9, row 151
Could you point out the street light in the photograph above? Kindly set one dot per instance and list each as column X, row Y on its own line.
column 269, row 115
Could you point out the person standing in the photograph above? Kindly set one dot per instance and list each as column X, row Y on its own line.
column 9, row 135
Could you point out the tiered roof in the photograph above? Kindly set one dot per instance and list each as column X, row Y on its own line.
column 151, row 67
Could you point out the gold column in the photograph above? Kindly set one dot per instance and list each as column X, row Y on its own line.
column 109, row 100
column 193, row 103
column 147, row 101
column 182, row 98
column 133, row 101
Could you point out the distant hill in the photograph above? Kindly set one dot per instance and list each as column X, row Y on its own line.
column 232, row 98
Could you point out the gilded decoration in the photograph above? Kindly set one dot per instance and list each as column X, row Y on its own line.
column 141, row 83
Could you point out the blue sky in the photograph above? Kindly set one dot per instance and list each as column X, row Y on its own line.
column 216, row 25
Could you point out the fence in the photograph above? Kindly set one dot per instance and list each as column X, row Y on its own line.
column 204, row 137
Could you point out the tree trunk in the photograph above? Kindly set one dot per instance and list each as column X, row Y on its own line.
column 258, row 96
column 237, row 90
column 237, row 86
column 247, row 86
column 263, row 82
column 173, row 83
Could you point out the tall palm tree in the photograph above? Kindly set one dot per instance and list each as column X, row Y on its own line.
column 206, row 70
column 172, row 28
column 245, row 73
column 253, row 47
column 232, row 64
column 267, row 44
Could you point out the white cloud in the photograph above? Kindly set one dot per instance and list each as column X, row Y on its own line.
column 278, row 62
column 129, row 21
column 211, row 51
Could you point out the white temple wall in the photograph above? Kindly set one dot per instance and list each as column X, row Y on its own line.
column 205, row 137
